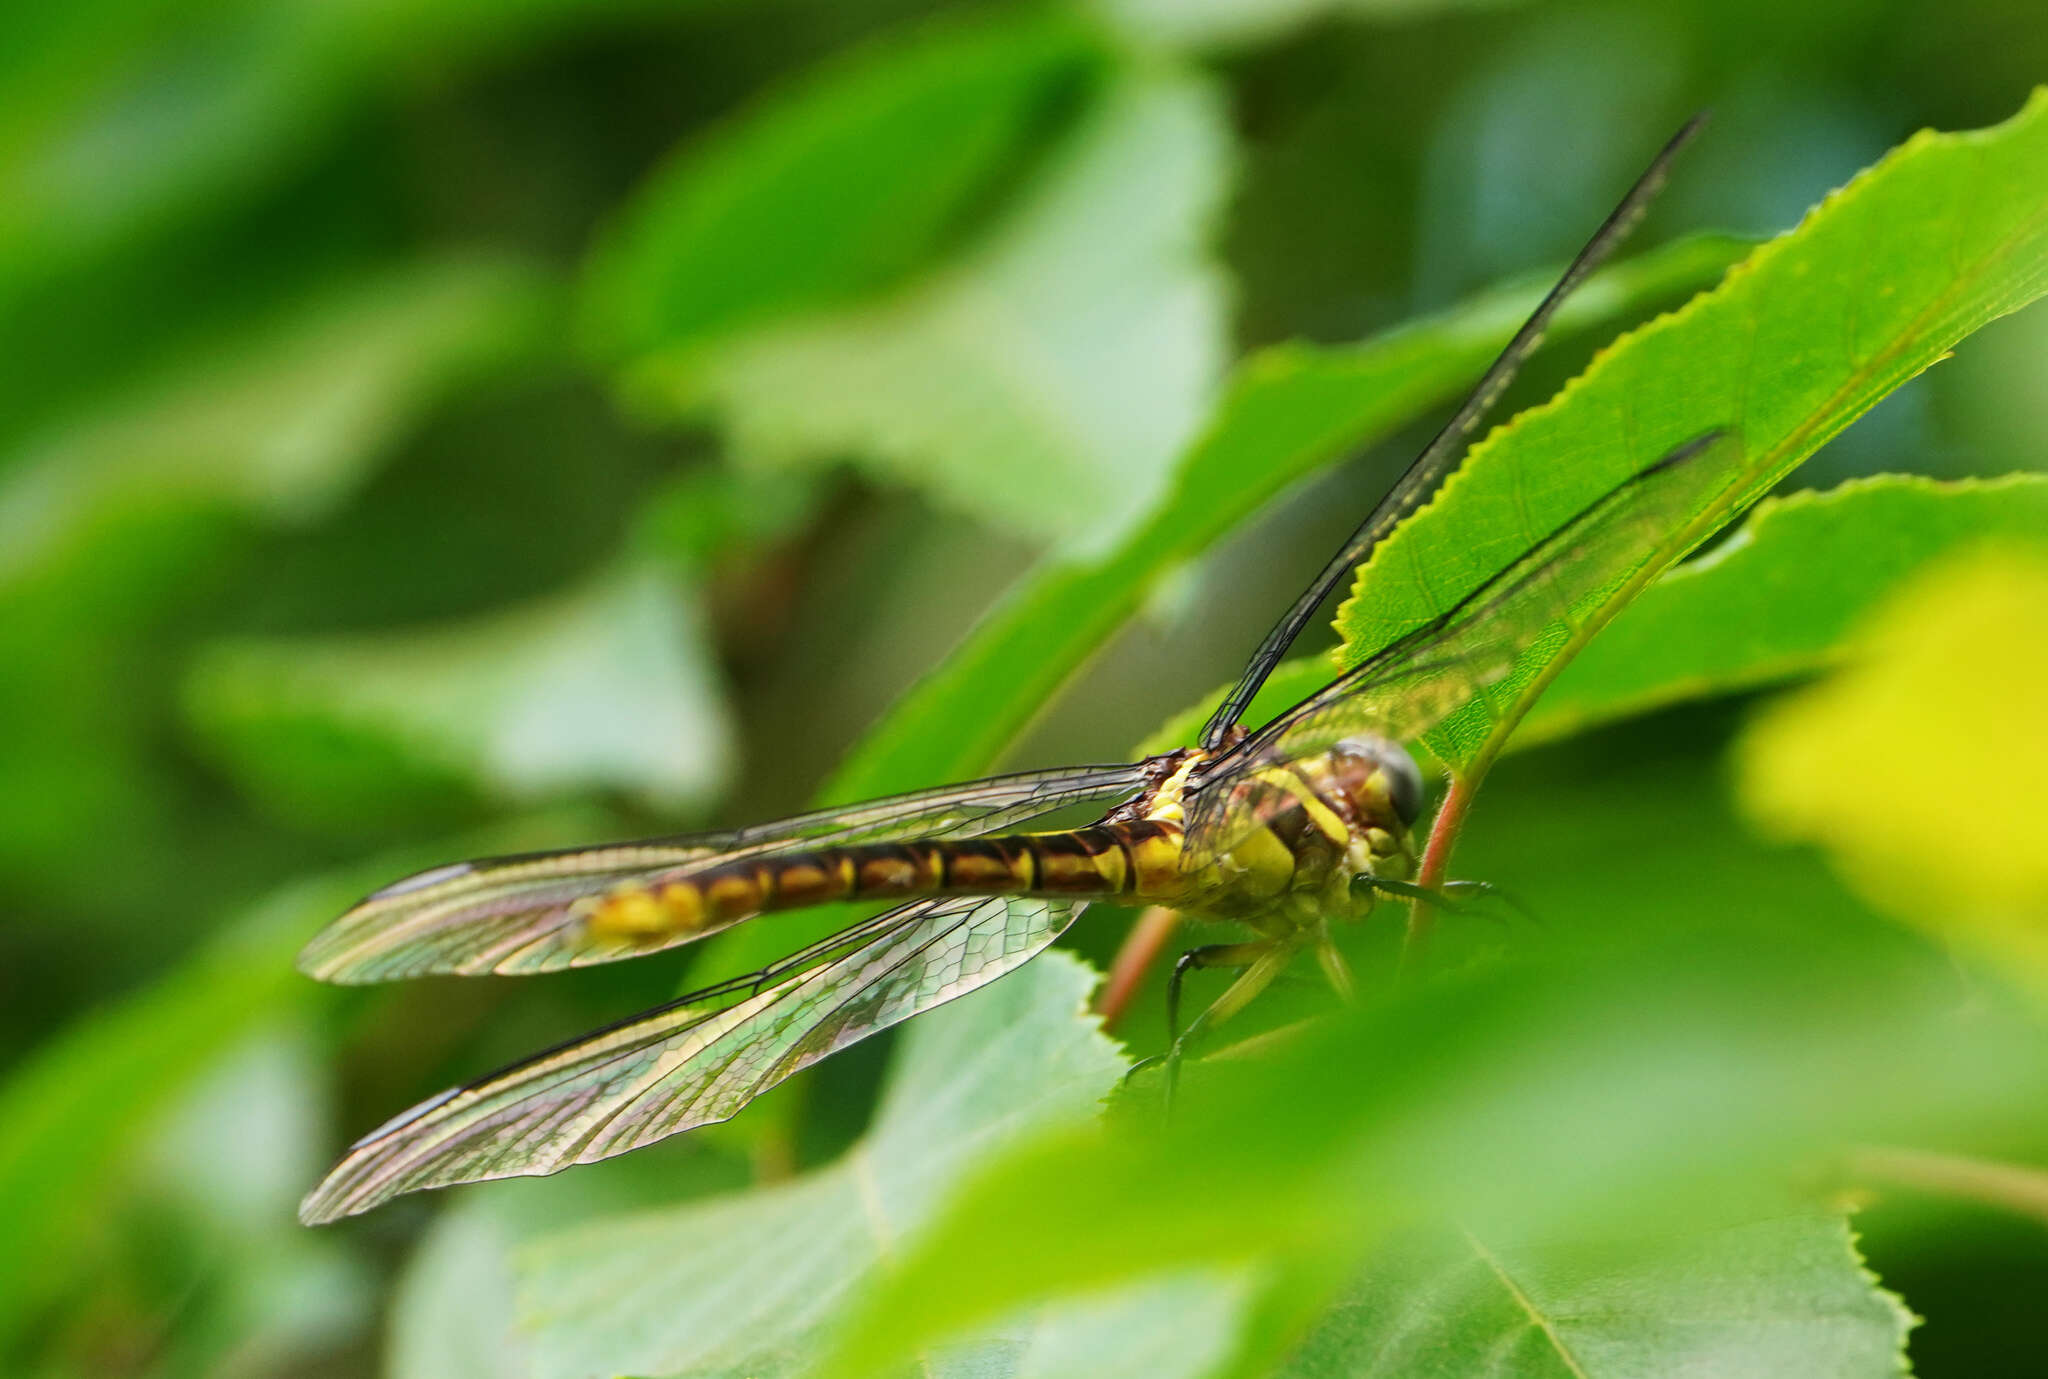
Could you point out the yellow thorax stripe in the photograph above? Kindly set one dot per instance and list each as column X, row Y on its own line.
column 1325, row 818
column 1166, row 800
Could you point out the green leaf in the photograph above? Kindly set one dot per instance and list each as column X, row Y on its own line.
column 71, row 1115
column 125, row 114
column 217, row 1184
column 1232, row 24
column 1781, row 598
column 281, row 424
column 1787, row 1296
column 1776, row 601
column 1947, row 233
column 1289, row 412
column 452, row 1312
column 115, row 523
column 1042, row 382
column 744, row 1284
column 454, row 1308
column 606, row 688
column 147, row 150
column 1625, row 1086
column 838, row 187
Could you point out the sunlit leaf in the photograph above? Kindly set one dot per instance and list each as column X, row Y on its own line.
column 603, row 689
column 1780, row 598
column 1043, row 381
column 744, row 1284
column 1947, row 233
column 1919, row 765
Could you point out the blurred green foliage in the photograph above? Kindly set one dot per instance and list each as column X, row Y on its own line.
column 434, row 427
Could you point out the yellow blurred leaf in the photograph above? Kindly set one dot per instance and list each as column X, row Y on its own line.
column 1920, row 768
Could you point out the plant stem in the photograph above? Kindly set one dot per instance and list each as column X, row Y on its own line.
column 1436, row 862
column 2016, row 1188
column 1141, row 948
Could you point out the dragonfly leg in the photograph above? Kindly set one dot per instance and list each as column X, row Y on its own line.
column 1336, row 968
column 1486, row 890
column 1452, row 899
column 1212, row 955
column 1261, row 963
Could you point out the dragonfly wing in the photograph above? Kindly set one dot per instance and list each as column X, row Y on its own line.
column 518, row 915
column 682, row 1065
column 1413, row 684
column 1423, row 474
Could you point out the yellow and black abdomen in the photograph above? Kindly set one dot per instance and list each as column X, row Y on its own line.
column 1140, row 859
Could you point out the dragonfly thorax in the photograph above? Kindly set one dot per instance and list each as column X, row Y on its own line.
column 1292, row 840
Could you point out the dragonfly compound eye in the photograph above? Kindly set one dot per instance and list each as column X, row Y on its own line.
column 1403, row 782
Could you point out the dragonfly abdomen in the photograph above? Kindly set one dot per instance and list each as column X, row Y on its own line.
column 1138, row 857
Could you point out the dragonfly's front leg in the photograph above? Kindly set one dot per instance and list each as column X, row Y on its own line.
column 1451, row 898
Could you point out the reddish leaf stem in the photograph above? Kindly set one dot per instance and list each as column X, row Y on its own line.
column 1141, row 948
column 1436, row 863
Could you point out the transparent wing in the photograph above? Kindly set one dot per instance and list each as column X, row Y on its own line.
column 520, row 914
column 1416, row 682
column 1428, row 468
column 683, row 1065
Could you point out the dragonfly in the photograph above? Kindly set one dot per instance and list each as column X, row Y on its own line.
column 1291, row 830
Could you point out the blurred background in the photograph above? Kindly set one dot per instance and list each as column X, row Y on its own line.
column 433, row 427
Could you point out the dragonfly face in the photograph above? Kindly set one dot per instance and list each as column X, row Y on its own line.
column 1304, row 821
column 1380, row 782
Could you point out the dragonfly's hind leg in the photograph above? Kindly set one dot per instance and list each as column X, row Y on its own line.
column 1259, row 964
column 1336, row 967
column 1209, row 956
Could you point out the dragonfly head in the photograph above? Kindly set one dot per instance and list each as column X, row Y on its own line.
column 1381, row 780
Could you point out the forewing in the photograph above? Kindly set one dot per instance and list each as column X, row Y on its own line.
column 682, row 1066
column 1412, row 685
column 523, row 914
column 1428, row 469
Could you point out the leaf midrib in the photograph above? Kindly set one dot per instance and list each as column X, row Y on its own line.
column 1536, row 1315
